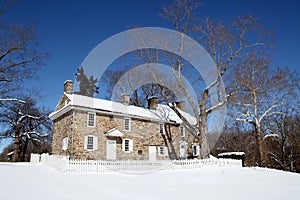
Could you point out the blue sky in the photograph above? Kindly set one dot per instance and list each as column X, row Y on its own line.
column 69, row 30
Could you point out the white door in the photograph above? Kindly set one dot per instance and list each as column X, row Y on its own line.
column 183, row 150
column 152, row 153
column 111, row 147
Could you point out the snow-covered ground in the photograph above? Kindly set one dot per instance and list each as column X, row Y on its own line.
column 28, row 182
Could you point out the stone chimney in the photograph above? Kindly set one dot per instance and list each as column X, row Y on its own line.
column 125, row 99
column 181, row 105
column 152, row 102
column 68, row 86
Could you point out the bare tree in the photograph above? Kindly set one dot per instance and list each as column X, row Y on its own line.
column 262, row 93
column 26, row 123
column 282, row 144
column 224, row 42
column 20, row 57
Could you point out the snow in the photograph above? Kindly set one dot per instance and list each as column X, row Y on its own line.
column 114, row 132
column 162, row 112
column 272, row 135
column 231, row 153
column 29, row 182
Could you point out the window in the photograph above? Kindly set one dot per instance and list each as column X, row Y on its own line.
column 127, row 145
column 181, row 131
column 162, row 151
column 196, row 150
column 126, row 124
column 140, row 152
column 161, row 128
column 91, row 119
column 65, row 144
column 90, row 143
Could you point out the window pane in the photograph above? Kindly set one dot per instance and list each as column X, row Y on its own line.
column 181, row 131
column 161, row 150
column 90, row 142
column 126, row 124
column 126, row 145
column 161, row 128
column 91, row 119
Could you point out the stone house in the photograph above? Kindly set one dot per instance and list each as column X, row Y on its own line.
column 91, row 128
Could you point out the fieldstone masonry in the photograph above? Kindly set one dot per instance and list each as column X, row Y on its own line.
column 144, row 133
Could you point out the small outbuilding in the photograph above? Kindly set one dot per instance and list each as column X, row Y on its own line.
column 233, row 155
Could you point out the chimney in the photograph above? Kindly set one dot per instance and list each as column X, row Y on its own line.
column 181, row 105
column 125, row 99
column 152, row 102
column 68, row 86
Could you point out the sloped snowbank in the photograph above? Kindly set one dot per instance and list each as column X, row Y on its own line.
column 27, row 182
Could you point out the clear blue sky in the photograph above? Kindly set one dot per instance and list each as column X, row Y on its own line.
column 69, row 30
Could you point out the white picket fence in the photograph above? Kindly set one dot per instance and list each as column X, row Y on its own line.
column 66, row 165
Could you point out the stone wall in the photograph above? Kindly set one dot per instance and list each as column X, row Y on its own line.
column 62, row 127
column 144, row 133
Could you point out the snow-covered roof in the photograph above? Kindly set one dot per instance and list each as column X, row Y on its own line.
column 231, row 153
column 161, row 113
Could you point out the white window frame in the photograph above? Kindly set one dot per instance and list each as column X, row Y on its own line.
column 196, row 149
column 127, row 127
column 162, row 128
column 91, row 146
column 127, row 145
column 162, row 151
column 64, row 145
column 182, row 131
column 91, row 122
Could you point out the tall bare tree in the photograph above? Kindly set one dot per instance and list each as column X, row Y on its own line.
column 261, row 93
column 20, row 57
column 224, row 42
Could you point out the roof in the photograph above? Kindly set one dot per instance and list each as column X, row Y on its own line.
column 231, row 153
column 114, row 132
column 162, row 113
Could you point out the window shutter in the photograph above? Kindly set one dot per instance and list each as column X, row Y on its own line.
column 166, row 151
column 95, row 143
column 123, row 145
column 130, row 145
column 197, row 150
column 85, row 141
column 65, row 144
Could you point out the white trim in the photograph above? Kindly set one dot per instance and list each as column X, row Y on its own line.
column 195, row 149
column 93, row 145
column 127, row 148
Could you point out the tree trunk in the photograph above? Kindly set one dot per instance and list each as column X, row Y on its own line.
column 24, row 150
column 204, row 146
column 15, row 157
column 259, row 140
